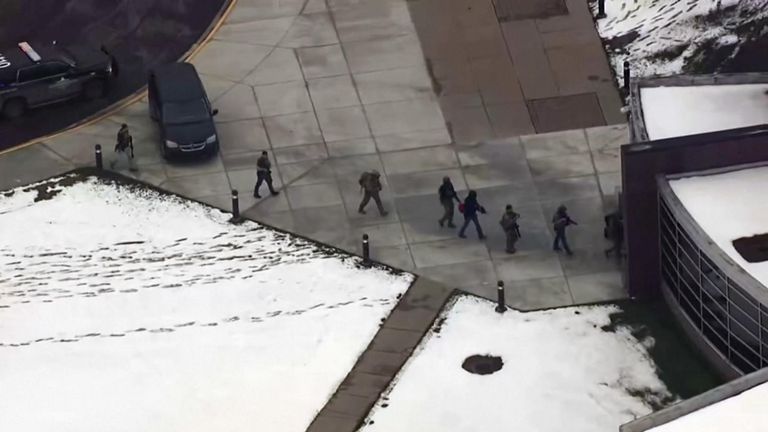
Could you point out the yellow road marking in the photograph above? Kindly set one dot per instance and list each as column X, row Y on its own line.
column 130, row 100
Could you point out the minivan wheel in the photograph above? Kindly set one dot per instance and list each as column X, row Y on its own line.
column 94, row 89
column 14, row 108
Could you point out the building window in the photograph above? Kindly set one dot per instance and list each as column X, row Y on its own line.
column 730, row 319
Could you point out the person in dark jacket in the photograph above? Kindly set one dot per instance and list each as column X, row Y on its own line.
column 370, row 183
column 471, row 207
column 614, row 224
column 263, row 175
column 511, row 228
column 447, row 194
column 560, row 221
column 124, row 149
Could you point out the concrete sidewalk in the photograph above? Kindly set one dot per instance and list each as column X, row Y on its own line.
column 516, row 67
column 335, row 88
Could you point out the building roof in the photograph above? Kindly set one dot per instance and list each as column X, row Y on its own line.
column 688, row 110
column 729, row 206
column 744, row 412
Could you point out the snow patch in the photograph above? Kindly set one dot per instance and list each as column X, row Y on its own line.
column 687, row 110
column 726, row 206
column 560, row 368
column 123, row 309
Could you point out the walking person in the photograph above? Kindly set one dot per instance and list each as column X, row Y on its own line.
column 370, row 184
column 511, row 228
column 123, row 149
column 470, row 209
column 614, row 226
column 263, row 175
column 560, row 221
column 447, row 194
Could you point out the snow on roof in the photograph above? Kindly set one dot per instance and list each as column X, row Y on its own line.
column 121, row 308
column 561, row 371
column 688, row 110
column 745, row 412
column 728, row 206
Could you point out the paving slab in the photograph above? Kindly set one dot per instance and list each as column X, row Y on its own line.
column 352, row 147
column 29, row 165
column 449, row 251
column 323, row 61
column 468, row 124
column 381, row 54
column 302, row 153
column 281, row 65
column 200, row 185
column 534, row 294
column 283, row 98
column 318, row 195
column 421, row 183
column 597, row 287
column 530, row 265
column 339, row 124
column 563, row 189
column 555, row 144
column 242, row 136
column 333, row 92
column 412, row 139
column 569, row 165
column 396, row 256
column 393, row 85
column 293, row 129
column 373, row 20
column 469, row 276
column 310, row 30
column 427, row 159
column 566, row 112
column 404, row 116
column 510, row 119
column 230, row 60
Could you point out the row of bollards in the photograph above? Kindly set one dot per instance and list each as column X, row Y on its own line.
column 236, row 218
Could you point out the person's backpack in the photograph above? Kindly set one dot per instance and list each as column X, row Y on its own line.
column 461, row 207
column 363, row 180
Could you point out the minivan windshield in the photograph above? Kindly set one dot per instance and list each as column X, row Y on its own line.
column 185, row 112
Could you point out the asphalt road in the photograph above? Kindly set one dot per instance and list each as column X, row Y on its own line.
column 140, row 33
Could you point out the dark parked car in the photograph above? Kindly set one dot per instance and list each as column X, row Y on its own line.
column 41, row 75
column 177, row 101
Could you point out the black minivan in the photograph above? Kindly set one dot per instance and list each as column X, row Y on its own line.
column 177, row 101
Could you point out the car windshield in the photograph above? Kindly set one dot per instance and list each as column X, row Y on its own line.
column 185, row 112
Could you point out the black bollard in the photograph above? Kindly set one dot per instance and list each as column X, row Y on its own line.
column 99, row 158
column 235, row 207
column 366, row 251
column 626, row 76
column 600, row 9
column 501, row 307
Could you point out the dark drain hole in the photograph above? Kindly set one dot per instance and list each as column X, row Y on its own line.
column 482, row 364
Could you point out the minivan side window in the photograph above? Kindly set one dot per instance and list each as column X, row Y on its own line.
column 42, row 71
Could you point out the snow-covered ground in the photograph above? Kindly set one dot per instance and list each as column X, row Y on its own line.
column 124, row 310
column 668, row 37
column 561, row 372
column 743, row 413
column 729, row 206
column 688, row 110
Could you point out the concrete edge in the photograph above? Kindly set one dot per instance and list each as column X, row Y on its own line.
column 416, row 312
column 696, row 403
column 105, row 174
